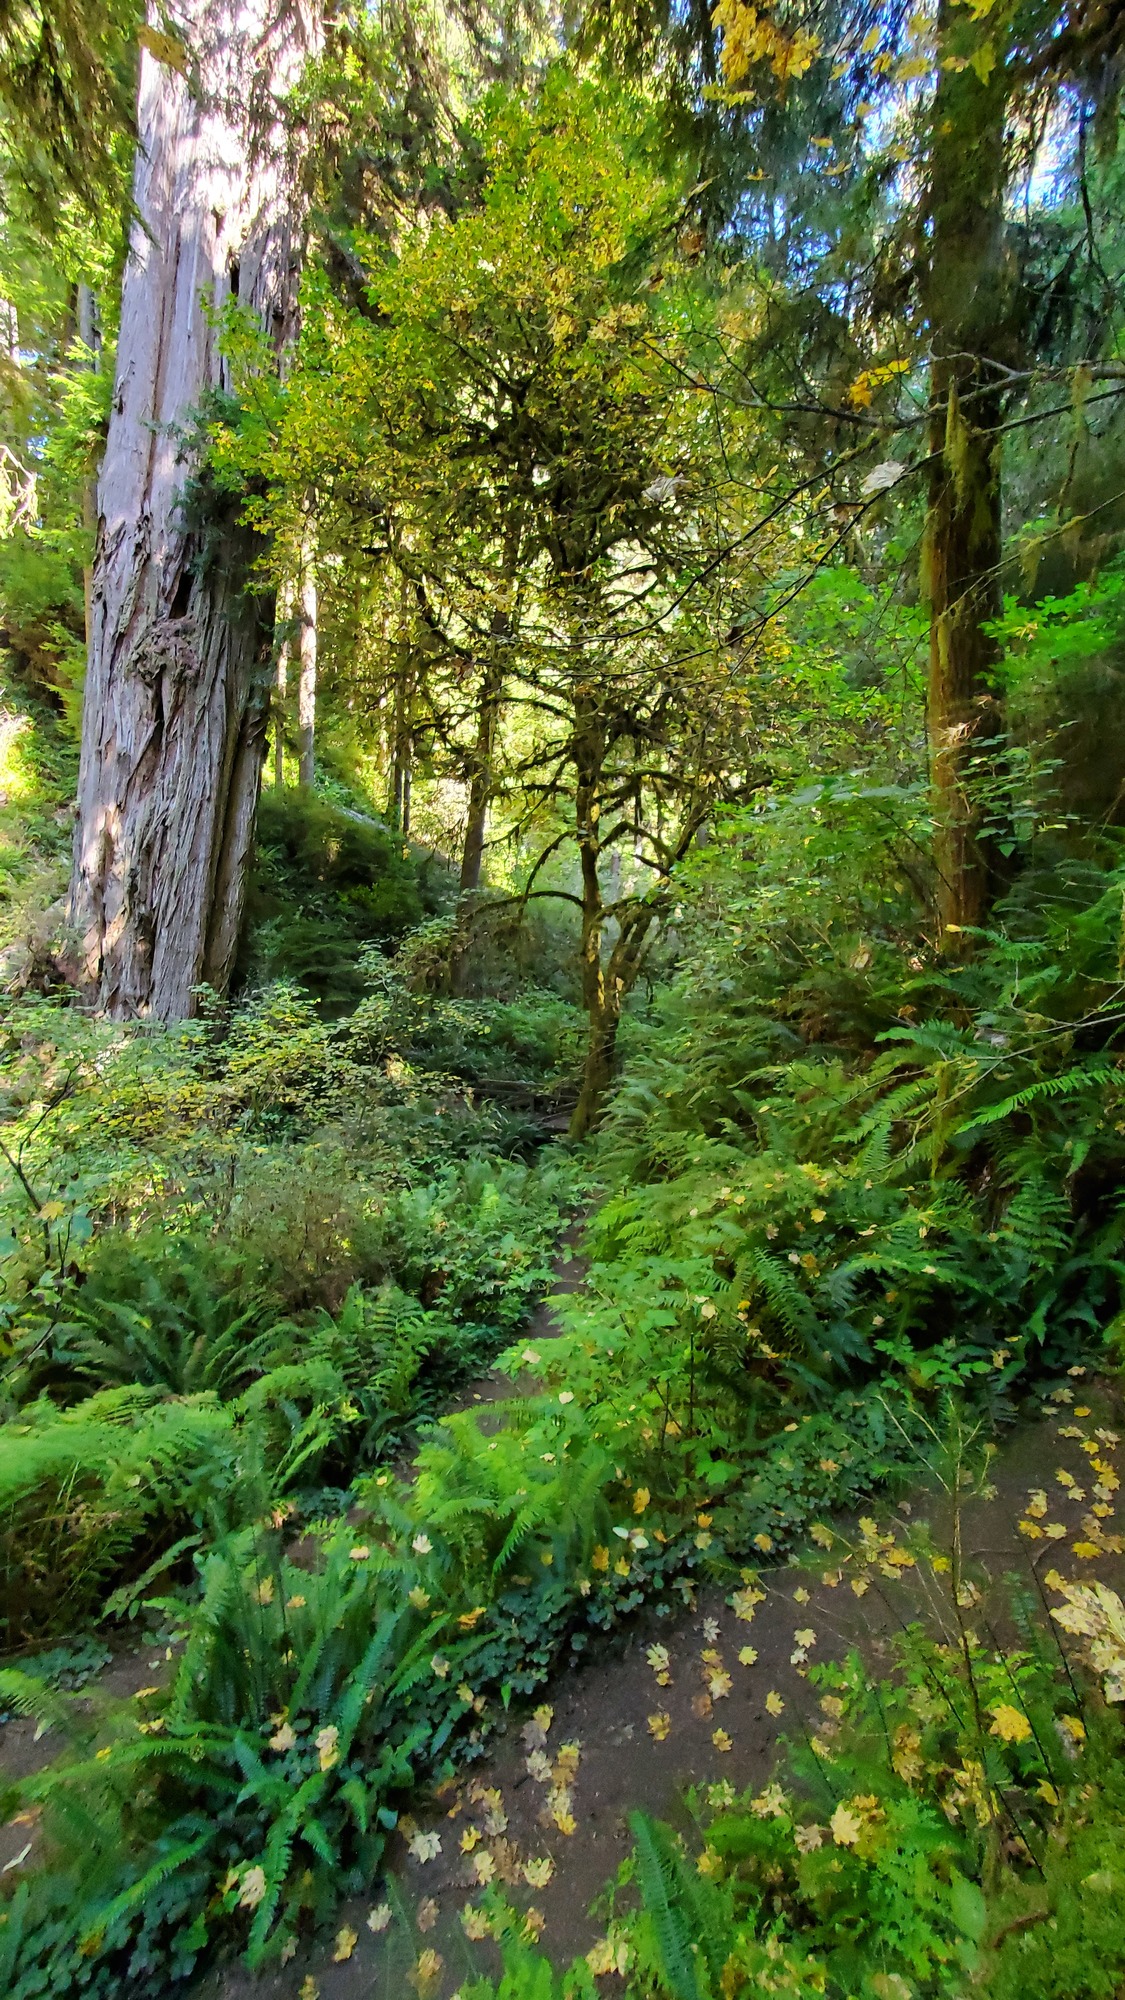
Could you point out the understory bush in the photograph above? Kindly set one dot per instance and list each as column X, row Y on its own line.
column 835, row 1154
column 330, row 881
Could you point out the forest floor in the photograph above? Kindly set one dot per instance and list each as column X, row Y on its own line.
column 635, row 1744
column 628, row 1740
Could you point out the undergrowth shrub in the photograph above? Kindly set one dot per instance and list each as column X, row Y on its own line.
column 890, row 1161
column 329, row 883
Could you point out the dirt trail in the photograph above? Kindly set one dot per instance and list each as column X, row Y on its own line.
column 704, row 1731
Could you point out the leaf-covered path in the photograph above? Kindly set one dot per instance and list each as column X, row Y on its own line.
column 703, row 1701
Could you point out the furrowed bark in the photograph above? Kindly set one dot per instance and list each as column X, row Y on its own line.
column 177, row 683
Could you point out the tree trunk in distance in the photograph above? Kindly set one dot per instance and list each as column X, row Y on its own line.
column 281, row 681
column 969, row 312
column 306, row 685
column 488, row 717
column 176, row 689
column 398, row 804
column 480, row 784
column 600, row 999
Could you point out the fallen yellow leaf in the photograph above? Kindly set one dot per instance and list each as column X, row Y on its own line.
column 1009, row 1724
column 846, row 1826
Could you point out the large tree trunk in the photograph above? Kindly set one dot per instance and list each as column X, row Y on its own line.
column 969, row 310
column 177, row 682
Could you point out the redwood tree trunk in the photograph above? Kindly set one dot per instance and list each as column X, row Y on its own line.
column 177, row 681
column 969, row 311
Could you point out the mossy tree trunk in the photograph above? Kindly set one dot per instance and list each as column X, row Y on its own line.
column 968, row 306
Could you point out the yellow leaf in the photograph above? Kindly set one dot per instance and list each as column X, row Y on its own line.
column 846, row 1826
column 426, row 1974
column 1009, row 1724
column 747, row 1656
column 774, row 1703
column 658, row 1727
column 346, row 1942
column 721, row 1740
column 641, row 1498
column 607, row 1956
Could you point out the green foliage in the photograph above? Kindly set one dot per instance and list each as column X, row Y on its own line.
column 825, row 1204
column 313, row 1686
column 328, row 883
